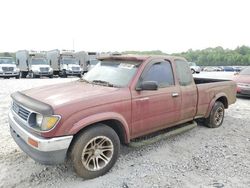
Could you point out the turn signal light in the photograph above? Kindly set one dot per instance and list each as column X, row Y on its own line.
column 33, row 142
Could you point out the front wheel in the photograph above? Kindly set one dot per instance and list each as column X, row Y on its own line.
column 216, row 116
column 95, row 151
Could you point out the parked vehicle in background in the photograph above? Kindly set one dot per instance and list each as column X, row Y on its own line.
column 64, row 63
column 243, row 82
column 33, row 63
column 228, row 69
column 212, row 69
column 121, row 98
column 194, row 68
column 92, row 63
column 87, row 60
column 82, row 57
column 237, row 69
column 8, row 68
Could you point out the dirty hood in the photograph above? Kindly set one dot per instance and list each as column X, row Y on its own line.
column 68, row 93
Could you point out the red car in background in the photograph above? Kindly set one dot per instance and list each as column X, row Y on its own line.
column 243, row 82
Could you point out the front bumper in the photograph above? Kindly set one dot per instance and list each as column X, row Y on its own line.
column 243, row 91
column 73, row 72
column 9, row 74
column 48, row 151
column 43, row 73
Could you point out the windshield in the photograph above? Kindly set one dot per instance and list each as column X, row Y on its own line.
column 70, row 61
column 192, row 64
column 93, row 61
column 7, row 61
column 245, row 71
column 39, row 62
column 114, row 72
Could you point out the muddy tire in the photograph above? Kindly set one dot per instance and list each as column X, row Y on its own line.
column 216, row 116
column 95, row 151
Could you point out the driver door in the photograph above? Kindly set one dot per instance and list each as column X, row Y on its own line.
column 156, row 109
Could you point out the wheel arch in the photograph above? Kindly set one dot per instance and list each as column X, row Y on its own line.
column 115, row 121
column 219, row 97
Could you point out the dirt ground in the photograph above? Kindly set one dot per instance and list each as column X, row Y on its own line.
column 201, row 157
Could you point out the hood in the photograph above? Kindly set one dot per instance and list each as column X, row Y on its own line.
column 69, row 93
column 242, row 79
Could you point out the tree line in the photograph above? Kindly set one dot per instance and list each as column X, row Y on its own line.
column 210, row 56
column 207, row 57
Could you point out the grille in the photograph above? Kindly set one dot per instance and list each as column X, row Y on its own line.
column 8, row 68
column 44, row 69
column 75, row 68
column 20, row 111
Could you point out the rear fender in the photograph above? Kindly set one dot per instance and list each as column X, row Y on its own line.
column 216, row 97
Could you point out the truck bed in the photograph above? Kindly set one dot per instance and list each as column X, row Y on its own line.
column 209, row 88
column 207, row 80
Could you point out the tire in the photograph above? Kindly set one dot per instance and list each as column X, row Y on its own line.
column 193, row 71
column 84, row 161
column 51, row 76
column 216, row 116
column 64, row 74
column 23, row 74
column 79, row 75
column 17, row 77
column 32, row 75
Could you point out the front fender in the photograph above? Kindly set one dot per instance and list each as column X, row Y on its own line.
column 211, row 104
column 87, row 121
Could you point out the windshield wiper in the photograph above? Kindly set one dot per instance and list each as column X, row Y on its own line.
column 105, row 83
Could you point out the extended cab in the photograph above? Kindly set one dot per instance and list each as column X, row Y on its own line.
column 121, row 98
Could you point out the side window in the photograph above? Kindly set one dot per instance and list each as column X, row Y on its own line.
column 161, row 73
column 183, row 72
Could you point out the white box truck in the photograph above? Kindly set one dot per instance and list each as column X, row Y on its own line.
column 87, row 60
column 64, row 63
column 8, row 68
column 33, row 63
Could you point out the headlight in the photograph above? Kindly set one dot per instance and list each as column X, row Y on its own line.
column 46, row 123
column 39, row 119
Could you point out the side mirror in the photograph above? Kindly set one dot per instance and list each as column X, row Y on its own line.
column 147, row 85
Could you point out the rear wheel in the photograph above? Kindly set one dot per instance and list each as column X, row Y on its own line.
column 216, row 116
column 95, row 151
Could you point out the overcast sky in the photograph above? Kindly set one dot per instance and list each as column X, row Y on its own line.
column 119, row 25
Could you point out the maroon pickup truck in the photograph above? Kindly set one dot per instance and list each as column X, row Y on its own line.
column 121, row 98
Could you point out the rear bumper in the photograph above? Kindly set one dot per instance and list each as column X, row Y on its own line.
column 48, row 151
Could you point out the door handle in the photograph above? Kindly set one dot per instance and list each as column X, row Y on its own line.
column 175, row 94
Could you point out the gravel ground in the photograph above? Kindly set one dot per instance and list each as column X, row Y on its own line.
column 201, row 157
